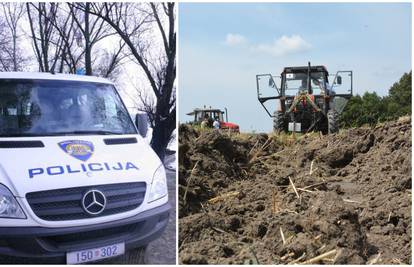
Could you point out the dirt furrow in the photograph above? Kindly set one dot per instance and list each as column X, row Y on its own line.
column 273, row 199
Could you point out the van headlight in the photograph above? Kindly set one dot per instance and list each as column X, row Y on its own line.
column 9, row 208
column 158, row 188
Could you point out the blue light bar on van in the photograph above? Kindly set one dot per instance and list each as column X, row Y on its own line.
column 80, row 71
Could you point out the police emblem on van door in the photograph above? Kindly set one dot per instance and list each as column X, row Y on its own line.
column 81, row 150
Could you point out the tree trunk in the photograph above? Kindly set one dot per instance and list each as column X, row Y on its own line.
column 88, row 46
column 43, row 40
column 161, row 136
column 165, row 124
column 15, row 67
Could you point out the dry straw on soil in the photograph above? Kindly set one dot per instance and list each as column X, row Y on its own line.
column 268, row 199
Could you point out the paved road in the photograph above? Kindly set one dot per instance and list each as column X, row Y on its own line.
column 162, row 250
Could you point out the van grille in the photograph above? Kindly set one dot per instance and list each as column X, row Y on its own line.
column 65, row 204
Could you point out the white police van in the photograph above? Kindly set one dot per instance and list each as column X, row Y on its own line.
column 77, row 181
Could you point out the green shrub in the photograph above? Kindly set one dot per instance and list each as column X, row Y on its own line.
column 371, row 109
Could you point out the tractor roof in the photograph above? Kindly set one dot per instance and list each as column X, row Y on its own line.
column 204, row 109
column 304, row 68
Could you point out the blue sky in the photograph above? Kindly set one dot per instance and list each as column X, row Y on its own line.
column 223, row 46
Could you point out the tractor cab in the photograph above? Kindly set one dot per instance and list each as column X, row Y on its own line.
column 295, row 80
column 199, row 114
column 308, row 98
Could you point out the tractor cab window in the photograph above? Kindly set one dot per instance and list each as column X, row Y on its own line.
column 295, row 82
column 219, row 115
column 199, row 116
column 210, row 114
column 318, row 83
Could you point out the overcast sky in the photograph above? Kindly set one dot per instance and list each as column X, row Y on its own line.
column 223, row 46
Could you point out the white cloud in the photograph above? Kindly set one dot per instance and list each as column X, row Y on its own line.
column 234, row 39
column 284, row 45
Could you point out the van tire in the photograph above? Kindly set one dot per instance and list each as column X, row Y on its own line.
column 138, row 255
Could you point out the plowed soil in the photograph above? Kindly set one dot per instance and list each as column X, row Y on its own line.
column 279, row 199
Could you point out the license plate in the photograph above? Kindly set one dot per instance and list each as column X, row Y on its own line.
column 94, row 254
column 294, row 127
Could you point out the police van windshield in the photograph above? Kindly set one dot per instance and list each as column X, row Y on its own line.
column 52, row 107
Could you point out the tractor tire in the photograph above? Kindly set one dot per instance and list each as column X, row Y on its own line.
column 279, row 122
column 332, row 122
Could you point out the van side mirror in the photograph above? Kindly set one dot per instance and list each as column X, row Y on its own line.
column 339, row 80
column 141, row 121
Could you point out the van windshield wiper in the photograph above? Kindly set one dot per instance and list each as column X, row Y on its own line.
column 92, row 132
column 21, row 135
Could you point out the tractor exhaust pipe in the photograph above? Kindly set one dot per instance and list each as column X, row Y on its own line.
column 227, row 116
column 309, row 78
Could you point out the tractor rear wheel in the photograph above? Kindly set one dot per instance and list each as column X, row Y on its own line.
column 332, row 121
column 279, row 122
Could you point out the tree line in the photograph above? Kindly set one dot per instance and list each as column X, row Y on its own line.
column 370, row 109
column 73, row 38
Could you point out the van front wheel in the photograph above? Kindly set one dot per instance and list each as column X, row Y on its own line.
column 132, row 256
column 138, row 256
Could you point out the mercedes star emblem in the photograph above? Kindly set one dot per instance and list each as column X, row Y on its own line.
column 94, row 202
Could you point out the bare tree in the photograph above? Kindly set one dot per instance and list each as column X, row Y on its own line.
column 53, row 33
column 93, row 29
column 64, row 38
column 47, row 44
column 134, row 23
column 148, row 105
column 14, row 59
column 5, row 45
column 110, row 61
column 73, row 51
